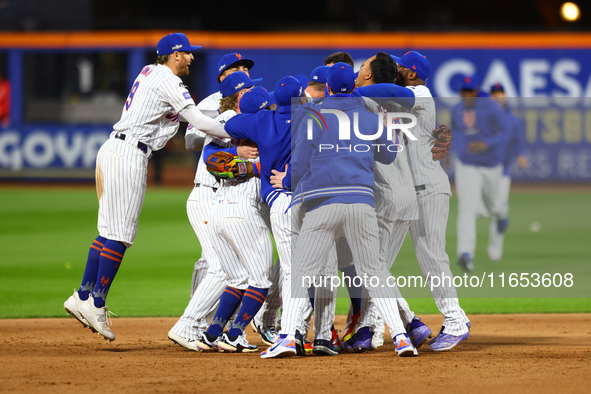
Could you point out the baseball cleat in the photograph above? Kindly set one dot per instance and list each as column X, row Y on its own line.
column 268, row 335
column 206, row 342
column 182, row 341
column 284, row 347
column 447, row 342
column 71, row 306
column 98, row 318
column 323, row 347
column 299, row 342
column 335, row 339
column 377, row 340
column 378, row 334
column 465, row 261
column 308, row 347
column 404, row 347
column 362, row 340
column 418, row 332
column 236, row 345
column 350, row 329
column 432, row 341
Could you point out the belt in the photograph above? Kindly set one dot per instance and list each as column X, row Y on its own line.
column 140, row 145
column 215, row 189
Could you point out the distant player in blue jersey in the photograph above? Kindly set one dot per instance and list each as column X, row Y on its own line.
column 514, row 154
column 481, row 131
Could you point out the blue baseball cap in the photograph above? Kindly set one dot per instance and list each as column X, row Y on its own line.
column 235, row 82
column 319, row 74
column 287, row 88
column 174, row 42
column 416, row 62
column 497, row 87
column 254, row 100
column 230, row 59
column 340, row 78
column 469, row 82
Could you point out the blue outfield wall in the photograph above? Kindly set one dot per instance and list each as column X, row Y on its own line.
column 557, row 118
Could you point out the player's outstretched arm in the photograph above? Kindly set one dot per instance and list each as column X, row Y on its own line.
column 203, row 122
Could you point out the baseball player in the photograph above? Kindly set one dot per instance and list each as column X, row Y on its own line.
column 271, row 131
column 515, row 153
column 333, row 198
column 396, row 207
column 198, row 313
column 150, row 117
column 481, row 133
column 433, row 192
column 240, row 237
column 199, row 201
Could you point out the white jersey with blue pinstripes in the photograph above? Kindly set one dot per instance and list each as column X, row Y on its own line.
column 202, row 176
column 394, row 193
column 426, row 172
column 150, row 113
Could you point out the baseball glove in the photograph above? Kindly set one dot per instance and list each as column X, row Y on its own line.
column 442, row 142
column 223, row 165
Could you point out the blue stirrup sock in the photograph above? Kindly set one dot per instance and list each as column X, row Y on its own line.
column 251, row 303
column 109, row 262
column 229, row 302
column 91, row 269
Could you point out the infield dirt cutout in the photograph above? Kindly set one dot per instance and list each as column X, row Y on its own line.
column 505, row 353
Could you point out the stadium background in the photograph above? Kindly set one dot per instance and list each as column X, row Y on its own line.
column 70, row 65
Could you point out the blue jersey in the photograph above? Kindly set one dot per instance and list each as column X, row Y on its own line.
column 484, row 121
column 516, row 144
column 271, row 131
column 326, row 169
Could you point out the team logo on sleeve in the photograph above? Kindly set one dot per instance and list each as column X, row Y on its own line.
column 173, row 117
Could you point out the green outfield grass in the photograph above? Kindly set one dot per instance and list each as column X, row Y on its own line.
column 45, row 234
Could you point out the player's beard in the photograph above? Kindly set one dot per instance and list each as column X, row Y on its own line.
column 184, row 70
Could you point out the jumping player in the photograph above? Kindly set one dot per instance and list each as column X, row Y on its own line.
column 150, row 117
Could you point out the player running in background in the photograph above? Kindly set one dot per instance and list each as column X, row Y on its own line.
column 481, row 133
column 515, row 153
column 150, row 117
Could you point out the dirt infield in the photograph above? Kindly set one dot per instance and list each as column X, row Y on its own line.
column 505, row 353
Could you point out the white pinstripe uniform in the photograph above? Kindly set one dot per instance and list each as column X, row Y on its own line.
column 207, row 292
column 433, row 193
column 396, row 206
column 150, row 117
column 201, row 197
column 238, row 228
column 316, row 237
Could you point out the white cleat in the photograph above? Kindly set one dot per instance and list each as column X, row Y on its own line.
column 283, row 347
column 404, row 347
column 182, row 341
column 97, row 318
column 71, row 306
